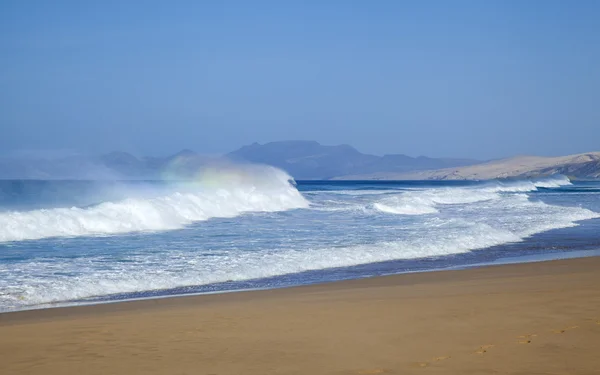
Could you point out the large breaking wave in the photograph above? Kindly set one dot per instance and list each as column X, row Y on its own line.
column 226, row 193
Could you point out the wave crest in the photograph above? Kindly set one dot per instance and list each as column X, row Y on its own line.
column 422, row 202
column 216, row 194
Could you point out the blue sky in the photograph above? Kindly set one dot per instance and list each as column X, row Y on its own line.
column 482, row 79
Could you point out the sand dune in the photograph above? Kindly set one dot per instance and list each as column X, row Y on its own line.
column 578, row 166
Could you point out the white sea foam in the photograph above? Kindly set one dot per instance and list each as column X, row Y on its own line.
column 553, row 182
column 250, row 189
column 434, row 222
column 529, row 185
column 403, row 208
column 184, row 269
column 172, row 269
column 422, row 202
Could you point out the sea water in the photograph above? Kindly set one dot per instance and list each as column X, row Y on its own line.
column 73, row 242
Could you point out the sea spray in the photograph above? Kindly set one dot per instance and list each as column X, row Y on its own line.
column 225, row 193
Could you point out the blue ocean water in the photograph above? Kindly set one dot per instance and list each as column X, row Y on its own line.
column 71, row 242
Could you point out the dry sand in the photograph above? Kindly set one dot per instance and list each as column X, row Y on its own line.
column 538, row 318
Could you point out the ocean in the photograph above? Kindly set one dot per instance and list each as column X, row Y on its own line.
column 252, row 227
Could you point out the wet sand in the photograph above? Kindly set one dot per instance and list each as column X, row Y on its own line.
column 537, row 318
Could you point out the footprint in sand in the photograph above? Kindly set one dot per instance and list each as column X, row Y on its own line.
column 483, row 349
column 526, row 339
column 564, row 329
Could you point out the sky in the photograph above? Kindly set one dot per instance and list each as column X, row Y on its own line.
column 477, row 79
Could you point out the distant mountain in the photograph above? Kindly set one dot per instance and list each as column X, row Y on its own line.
column 305, row 159
column 302, row 160
column 124, row 164
column 311, row 160
column 579, row 166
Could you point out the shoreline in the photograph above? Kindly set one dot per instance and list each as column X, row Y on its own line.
column 517, row 318
column 524, row 259
column 544, row 257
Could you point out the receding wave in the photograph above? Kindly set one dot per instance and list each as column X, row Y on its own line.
column 180, row 269
column 221, row 194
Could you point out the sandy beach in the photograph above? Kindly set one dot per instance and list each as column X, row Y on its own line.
column 536, row 318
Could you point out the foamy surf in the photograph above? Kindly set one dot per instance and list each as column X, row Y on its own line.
column 236, row 191
column 425, row 202
column 450, row 237
column 337, row 229
column 419, row 202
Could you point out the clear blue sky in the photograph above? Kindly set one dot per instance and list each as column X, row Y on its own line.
column 480, row 79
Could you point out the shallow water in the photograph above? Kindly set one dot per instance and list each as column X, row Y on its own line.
column 65, row 242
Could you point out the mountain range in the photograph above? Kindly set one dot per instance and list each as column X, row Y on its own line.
column 311, row 160
column 302, row 160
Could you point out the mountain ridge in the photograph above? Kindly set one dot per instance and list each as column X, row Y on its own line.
column 302, row 160
column 311, row 160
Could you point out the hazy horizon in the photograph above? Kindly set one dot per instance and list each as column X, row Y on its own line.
column 57, row 153
column 465, row 79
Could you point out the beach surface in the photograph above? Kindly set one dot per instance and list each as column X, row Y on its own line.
column 535, row 318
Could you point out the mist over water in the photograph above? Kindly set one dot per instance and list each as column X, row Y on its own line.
column 82, row 240
column 228, row 193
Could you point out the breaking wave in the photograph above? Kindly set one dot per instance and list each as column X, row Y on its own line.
column 152, row 272
column 426, row 202
column 219, row 194
column 341, row 229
